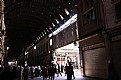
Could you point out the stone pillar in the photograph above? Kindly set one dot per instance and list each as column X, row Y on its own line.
column 2, row 31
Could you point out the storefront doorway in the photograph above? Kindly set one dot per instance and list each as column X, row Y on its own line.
column 68, row 53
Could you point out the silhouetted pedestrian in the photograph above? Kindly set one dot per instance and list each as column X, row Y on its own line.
column 62, row 68
column 14, row 73
column 37, row 72
column 26, row 73
column 49, row 71
column 1, row 72
column 31, row 72
column 58, row 70
column 69, row 71
column 65, row 69
column 53, row 71
column 112, row 73
column 45, row 73
column 7, row 73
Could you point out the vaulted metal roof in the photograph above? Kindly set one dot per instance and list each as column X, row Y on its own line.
column 25, row 20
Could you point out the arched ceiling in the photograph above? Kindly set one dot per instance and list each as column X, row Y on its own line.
column 25, row 20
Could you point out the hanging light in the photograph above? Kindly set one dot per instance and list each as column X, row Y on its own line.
column 67, row 12
column 53, row 24
column 50, row 28
column 61, row 17
column 57, row 21
column 44, row 31
column 7, row 48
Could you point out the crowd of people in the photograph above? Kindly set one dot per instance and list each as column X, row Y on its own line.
column 47, row 72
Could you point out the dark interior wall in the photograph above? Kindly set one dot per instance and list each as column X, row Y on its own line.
column 116, row 55
column 40, row 54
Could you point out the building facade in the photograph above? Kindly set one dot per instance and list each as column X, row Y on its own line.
column 112, row 10
column 99, row 36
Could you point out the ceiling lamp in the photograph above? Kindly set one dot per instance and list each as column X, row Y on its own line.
column 61, row 17
column 45, row 32
column 42, row 33
column 66, row 11
column 57, row 21
column 50, row 28
column 47, row 29
column 53, row 24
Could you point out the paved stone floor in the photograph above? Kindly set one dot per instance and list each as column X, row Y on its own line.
column 63, row 77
